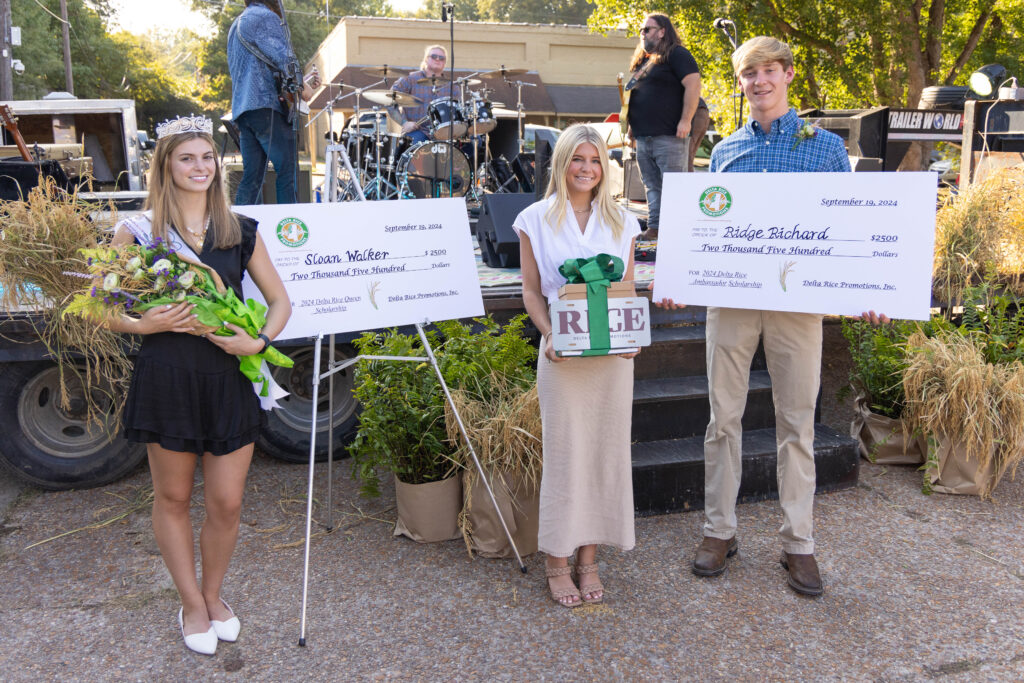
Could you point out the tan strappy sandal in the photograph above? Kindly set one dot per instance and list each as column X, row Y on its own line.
column 560, row 593
column 593, row 587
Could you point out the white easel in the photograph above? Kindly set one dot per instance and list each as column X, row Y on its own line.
column 332, row 368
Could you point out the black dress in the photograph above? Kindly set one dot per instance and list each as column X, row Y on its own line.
column 186, row 393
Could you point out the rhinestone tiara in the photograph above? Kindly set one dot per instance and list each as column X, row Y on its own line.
column 184, row 124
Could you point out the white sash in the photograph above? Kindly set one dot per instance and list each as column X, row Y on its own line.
column 141, row 226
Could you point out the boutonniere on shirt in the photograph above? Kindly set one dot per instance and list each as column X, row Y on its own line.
column 806, row 131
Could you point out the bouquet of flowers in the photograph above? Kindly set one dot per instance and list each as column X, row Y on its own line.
column 135, row 278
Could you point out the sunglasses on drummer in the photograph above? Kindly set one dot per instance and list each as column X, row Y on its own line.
column 439, row 58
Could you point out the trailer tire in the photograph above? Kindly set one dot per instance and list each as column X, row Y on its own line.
column 49, row 446
column 285, row 435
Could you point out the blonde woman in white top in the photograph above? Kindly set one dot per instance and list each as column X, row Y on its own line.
column 586, row 492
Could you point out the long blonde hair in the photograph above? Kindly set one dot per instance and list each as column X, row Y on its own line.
column 426, row 54
column 570, row 139
column 163, row 199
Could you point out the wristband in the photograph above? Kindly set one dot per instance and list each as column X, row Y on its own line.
column 266, row 341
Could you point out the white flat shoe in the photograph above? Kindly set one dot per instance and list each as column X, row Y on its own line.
column 227, row 630
column 203, row 643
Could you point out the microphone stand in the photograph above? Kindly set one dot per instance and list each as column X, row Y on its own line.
column 293, row 84
column 448, row 14
column 724, row 25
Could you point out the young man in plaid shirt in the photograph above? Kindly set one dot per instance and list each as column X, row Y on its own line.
column 774, row 140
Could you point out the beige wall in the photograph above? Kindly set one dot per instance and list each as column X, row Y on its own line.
column 562, row 55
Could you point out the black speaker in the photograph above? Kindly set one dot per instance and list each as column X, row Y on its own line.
column 632, row 184
column 499, row 243
column 542, row 166
column 522, row 167
column 18, row 177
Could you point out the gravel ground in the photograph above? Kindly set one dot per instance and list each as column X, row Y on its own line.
column 917, row 588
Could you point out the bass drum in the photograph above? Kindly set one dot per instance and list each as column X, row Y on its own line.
column 423, row 171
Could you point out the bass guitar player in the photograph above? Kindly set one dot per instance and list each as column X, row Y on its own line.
column 266, row 82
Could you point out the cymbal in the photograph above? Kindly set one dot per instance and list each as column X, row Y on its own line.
column 382, row 71
column 391, row 98
column 433, row 81
column 503, row 73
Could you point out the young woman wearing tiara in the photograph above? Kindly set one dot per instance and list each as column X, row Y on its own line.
column 188, row 400
column 586, row 490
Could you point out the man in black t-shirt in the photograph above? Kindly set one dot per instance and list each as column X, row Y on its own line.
column 664, row 92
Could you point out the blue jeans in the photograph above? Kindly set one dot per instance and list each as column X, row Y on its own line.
column 657, row 155
column 266, row 134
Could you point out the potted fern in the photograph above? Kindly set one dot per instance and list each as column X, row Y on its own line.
column 401, row 431
column 402, row 427
column 879, row 357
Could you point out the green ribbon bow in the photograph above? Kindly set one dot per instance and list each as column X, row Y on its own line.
column 597, row 273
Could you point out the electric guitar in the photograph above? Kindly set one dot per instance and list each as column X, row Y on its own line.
column 11, row 124
column 624, row 107
column 626, row 90
column 292, row 100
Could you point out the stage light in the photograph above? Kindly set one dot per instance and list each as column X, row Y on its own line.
column 985, row 80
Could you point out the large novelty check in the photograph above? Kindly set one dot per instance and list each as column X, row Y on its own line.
column 836, row 243
column 363, row 265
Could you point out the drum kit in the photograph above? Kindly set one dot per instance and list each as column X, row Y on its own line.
column 372, row 159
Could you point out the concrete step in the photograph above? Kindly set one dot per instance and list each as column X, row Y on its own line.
column 677, row 407
column 679, row 351
column 668, row 475
column 661, row 317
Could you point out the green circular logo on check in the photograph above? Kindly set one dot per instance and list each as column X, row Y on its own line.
column 715, row 201
column 292, row 232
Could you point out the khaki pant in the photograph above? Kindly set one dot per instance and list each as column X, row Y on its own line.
column 792, row 344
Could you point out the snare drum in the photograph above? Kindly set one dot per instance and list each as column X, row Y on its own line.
column 485, row 121
column 423, row 170
column 446, row 119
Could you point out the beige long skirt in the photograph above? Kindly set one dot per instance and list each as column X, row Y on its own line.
column 586, row 490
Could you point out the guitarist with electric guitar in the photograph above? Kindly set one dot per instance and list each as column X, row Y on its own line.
column 268, row 89
column 659, row 102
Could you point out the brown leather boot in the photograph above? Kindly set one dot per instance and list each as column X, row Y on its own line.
column 804, row 577
column 711, row 555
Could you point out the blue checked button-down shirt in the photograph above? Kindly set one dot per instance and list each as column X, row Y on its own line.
column 252, row 81
column 409, row 85
column 778, row 150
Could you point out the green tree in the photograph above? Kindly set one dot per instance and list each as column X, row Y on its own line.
column 95, row 61
column 118, row 66
column 536, row 11
column 464, row 11
column 849, row 53
column 160, row 90
column 525, row 11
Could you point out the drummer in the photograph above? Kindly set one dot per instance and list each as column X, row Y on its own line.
column 414, row 120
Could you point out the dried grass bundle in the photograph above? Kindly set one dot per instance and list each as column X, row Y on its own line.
column 506, row 435
column 979, row 235
column 39, row 243
column 505, row 430
column 952, row 391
